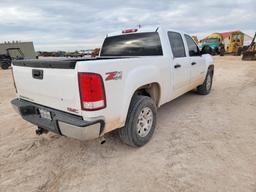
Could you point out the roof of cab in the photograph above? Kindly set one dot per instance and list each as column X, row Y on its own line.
column 138, row 30
column 143, row 30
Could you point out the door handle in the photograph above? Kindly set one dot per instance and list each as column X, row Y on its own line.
column 193, row 63
column 37, row 74
column 177, row 66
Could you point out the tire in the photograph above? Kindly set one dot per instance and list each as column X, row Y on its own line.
column 222, row 52
column 216, row 51
column 206, row 87
column 5, row 66
column 139, row 128
column 213, row 52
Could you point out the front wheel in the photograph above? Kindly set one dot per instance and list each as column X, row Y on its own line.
column 222, row 51
column 140, row 123
column 206, row 87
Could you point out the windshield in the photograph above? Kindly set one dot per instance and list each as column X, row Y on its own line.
column 212, row 40
column 236, row 38
column 136, row 44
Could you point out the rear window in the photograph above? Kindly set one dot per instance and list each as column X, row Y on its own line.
column 137, row 44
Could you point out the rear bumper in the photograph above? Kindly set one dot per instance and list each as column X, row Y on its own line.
column 62, row 123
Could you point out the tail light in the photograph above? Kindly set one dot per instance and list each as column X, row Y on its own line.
column 92, row 92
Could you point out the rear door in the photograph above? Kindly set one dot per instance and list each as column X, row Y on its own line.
column 180, row 76
column 196, row 61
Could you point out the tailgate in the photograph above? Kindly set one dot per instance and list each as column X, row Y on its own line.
column 48, row 83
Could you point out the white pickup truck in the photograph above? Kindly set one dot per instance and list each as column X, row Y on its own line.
column 138, row 70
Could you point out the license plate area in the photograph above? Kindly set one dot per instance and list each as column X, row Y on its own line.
column 45, row 114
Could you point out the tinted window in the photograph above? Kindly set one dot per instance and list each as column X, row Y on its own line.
column 138, row 44
column 192, row 47
column 177, row 45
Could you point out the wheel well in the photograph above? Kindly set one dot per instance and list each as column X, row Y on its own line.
column 151, row 90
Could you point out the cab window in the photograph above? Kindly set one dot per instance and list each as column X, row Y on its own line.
column 177, row 45
column 192, row 47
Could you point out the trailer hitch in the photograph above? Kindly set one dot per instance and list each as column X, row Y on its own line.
column 40, row 131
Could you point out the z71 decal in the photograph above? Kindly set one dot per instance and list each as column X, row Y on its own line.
column 115, row 75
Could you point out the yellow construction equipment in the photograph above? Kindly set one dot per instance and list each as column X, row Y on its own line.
column 212, row 42
column 232, row 42
column 236, row 43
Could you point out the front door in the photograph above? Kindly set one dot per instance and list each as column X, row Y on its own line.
column 196, row 61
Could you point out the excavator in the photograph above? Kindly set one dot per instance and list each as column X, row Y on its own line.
column 250, row 53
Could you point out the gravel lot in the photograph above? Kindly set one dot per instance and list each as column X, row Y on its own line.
column 202, row 143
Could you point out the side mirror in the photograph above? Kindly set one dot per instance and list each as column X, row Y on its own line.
column 195, row 53
column 206, row 50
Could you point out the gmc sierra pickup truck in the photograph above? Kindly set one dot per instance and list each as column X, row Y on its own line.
column 137, row 71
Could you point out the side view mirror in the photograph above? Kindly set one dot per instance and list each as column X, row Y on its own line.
column 206, row 50
column 195, row 53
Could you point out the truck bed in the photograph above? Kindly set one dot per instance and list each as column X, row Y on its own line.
column 58, row 63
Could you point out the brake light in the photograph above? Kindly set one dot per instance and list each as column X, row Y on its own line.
column 92, row 92
column 129, row 30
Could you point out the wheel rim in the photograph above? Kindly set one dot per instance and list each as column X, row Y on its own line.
column 208, row 82
column 145, row 121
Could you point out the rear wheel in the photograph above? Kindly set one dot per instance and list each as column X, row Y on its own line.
column 206, row 87
column 140, row 123
column 5, row 65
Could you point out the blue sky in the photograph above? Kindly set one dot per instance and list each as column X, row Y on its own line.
column 82, row 24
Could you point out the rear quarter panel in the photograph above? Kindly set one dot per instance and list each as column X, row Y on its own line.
column 136, row 72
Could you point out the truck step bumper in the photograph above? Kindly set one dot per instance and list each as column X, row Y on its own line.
column 81, row 133
column 61, row 122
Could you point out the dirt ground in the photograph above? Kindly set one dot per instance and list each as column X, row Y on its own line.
column 202, row 143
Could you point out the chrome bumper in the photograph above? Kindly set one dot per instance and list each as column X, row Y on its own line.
column 81, row 133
